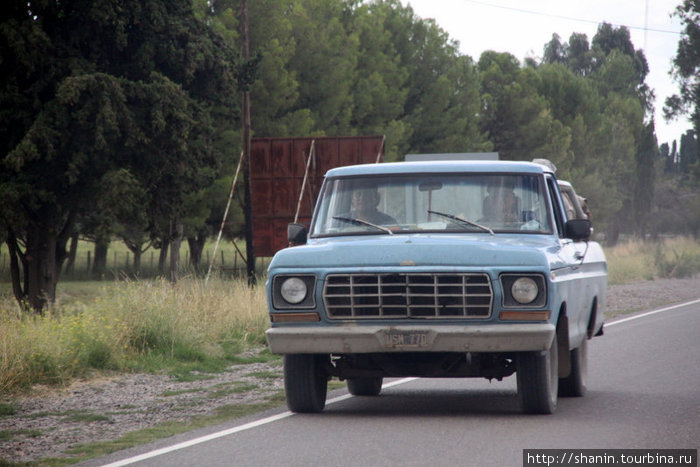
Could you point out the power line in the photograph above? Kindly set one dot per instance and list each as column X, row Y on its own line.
column 569, row 18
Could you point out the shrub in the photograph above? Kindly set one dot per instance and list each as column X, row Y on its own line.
column 680, row 262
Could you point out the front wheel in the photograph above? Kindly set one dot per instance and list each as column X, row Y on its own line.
column 538, row 380
column 305, row 382
column 575, row 385
column 365, row 386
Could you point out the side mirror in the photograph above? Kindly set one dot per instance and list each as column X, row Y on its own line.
column 577, row 229
column 296, row 234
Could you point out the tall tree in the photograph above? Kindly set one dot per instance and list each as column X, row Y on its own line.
column 555, row 51
column 614, row 42
column 686, row 69
column 516, row 117
column 134, row 84
column 578, row 54
column 645, row 173
column 325, row 63
column 381, row 80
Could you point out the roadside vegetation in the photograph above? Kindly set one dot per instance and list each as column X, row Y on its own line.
column 150, row 326
column 635, row 260
column 189, row 327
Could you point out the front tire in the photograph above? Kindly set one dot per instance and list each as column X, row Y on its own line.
column 538, row 380
column 365, row 386
column 575, row 385
column 305, row 382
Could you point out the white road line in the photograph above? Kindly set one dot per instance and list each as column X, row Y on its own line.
column 230, row 431
column 649, row 313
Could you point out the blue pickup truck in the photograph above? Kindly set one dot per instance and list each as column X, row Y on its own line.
column 437, row 269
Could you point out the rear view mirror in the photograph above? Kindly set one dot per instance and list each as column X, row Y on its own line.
column 296, row 234
column 578, row 229
column 430, row 185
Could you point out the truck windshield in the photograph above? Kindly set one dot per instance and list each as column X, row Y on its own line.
column 479, row 203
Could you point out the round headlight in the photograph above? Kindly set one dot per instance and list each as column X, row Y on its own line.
column 293, row 290
column 524, row 290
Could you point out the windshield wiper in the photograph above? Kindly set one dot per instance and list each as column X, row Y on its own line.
column 463, row 221
column 352, row 220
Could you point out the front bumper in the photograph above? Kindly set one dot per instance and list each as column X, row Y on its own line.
column 377, row 339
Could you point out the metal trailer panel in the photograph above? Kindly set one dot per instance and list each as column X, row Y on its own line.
column 277, row 168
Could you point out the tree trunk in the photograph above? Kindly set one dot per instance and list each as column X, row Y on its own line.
column 43, row 258
column 176, row 235
column 72, row 252
column 35, row 271
column 137, row 249
column 41, row 266
column 176, row 229
column 16, row 257
column 99, row 265
column 137, row 261
column 163, row 255
column 196, row 244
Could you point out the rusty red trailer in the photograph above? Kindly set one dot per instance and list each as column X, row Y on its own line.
column 277, row 169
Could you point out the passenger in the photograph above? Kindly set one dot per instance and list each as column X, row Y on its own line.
column 364, row 207
column 501, row 204
column 584, row 206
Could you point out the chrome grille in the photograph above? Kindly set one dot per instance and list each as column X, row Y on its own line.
column 420, row 295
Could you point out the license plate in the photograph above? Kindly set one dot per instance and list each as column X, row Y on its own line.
column 396, row 339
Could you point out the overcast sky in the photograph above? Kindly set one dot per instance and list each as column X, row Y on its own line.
column 523, row 27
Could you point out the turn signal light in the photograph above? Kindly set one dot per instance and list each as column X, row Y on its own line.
column 524, row 315
column 294, row 317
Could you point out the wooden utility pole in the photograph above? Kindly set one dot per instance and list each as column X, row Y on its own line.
column 247, row 204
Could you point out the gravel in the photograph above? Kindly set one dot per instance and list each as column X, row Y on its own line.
column 50, row 420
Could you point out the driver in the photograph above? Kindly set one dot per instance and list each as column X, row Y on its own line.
column 364, row 207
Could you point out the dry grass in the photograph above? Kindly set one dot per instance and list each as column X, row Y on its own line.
column 148, row 325
column 636, row 260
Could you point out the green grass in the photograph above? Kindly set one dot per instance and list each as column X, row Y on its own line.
column 6, row 435
column 7, row 410
column 85, row 416
column 265, row 374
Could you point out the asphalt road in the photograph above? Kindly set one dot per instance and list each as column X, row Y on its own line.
column 644, row 392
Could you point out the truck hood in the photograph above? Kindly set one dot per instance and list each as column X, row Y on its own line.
column 421, row 250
